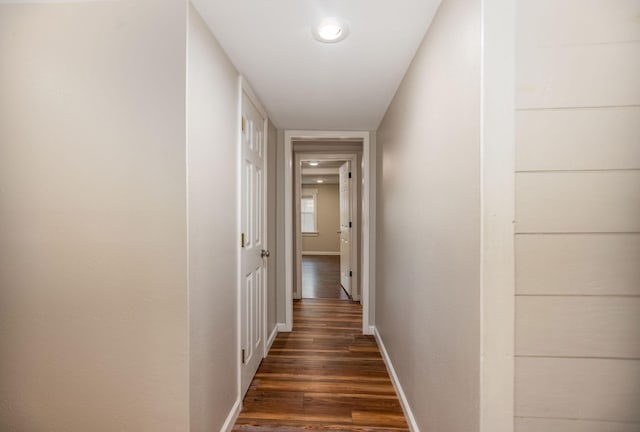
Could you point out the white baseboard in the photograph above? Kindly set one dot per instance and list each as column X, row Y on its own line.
column 282, row 328
column 272, row 337
column 371, row 330
column 232, row 417
column 413, row 426
column 320, row 253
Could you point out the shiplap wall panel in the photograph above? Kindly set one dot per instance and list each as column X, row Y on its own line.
column 578, row 139
column 584, row 264
column 544, row 22
column 577, row 183
column 606, row 201
column 570, row 425
column 578, row 76
column 570, row 388
column 578, row 326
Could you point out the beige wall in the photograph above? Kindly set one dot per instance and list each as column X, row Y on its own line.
column 577, row 216
column 93, row 304
column 212, row 156
column 327, row 239
column 428, row 224
column 280, row 262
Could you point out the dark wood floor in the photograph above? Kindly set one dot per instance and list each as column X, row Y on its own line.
column 324, row 375
column 321, row 277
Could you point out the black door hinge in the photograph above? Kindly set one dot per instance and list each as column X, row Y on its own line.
column 350, row 273
column 242, row 356
column 350, row 225
column 349, row 174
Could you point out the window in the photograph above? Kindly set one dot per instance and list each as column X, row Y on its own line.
column 309, row 211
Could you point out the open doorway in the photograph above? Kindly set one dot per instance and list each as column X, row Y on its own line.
column 325, row 225
column 336, row 145
column 342, row 237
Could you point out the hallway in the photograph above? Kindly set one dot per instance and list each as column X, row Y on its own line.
column 324, row 375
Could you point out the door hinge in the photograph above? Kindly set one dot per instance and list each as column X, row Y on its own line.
column 350, row 224
column 242, row 123
column 349, row 174
column 242, row 240
column 243, row 356
column 350, row 273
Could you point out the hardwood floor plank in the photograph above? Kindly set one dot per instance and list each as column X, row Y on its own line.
column 321, row 277
column 324, row 375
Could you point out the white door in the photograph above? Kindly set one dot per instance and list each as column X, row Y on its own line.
column 253, row 283
column 345, row 227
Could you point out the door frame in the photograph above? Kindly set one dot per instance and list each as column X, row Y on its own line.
column 245, row 88
column 353, row 158
column 368, row 246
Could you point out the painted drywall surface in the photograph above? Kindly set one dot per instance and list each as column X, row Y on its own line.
column 280, row 264
column 212, row 157
column 328, row 219
column 577, row 211
column 427, row 289
column 93, row 305
column 272, row 229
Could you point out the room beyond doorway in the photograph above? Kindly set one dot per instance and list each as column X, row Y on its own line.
column 321, row 277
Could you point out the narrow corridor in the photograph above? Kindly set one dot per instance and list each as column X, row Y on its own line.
column 324, row 375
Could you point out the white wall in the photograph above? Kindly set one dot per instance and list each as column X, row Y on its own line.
column 428, row 224
column 93, row 305
column 578, row 216
column 212, row 162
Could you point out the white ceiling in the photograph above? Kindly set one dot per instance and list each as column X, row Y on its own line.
column 305, row 84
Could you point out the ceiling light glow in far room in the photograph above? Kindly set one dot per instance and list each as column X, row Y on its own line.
column 319, row 181
column 330, row 31
column 313, row 163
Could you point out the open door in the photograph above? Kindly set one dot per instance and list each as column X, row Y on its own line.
column 254, row 253
column 345, row 227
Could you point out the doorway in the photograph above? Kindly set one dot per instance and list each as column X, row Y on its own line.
column 327, row 211
column 341, row 237
column 293, row 259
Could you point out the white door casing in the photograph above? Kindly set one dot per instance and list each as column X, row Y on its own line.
column 367, row 260
column 345, row 226
column 253, row 276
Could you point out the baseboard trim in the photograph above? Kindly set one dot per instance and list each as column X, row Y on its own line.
column 282, row 328
column 272, row 337
column 320, row 253
column 232, row 417
column 413, row 426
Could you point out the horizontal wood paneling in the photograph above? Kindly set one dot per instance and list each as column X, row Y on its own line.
column 578, row 201
column 578, row 76
column 578, row 326
column 577, row 248
column 578, row 139
column 546, row 22
column 588, row 264
column 588, row 389
column 567, row 425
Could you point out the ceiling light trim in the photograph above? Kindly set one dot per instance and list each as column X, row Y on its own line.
column 330, row 31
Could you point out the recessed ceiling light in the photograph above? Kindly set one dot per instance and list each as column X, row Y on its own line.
column 319, row 181
column 313, row 163
column 331, row 31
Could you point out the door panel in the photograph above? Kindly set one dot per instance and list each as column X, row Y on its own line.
column 345, row 227
column 253, row 231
